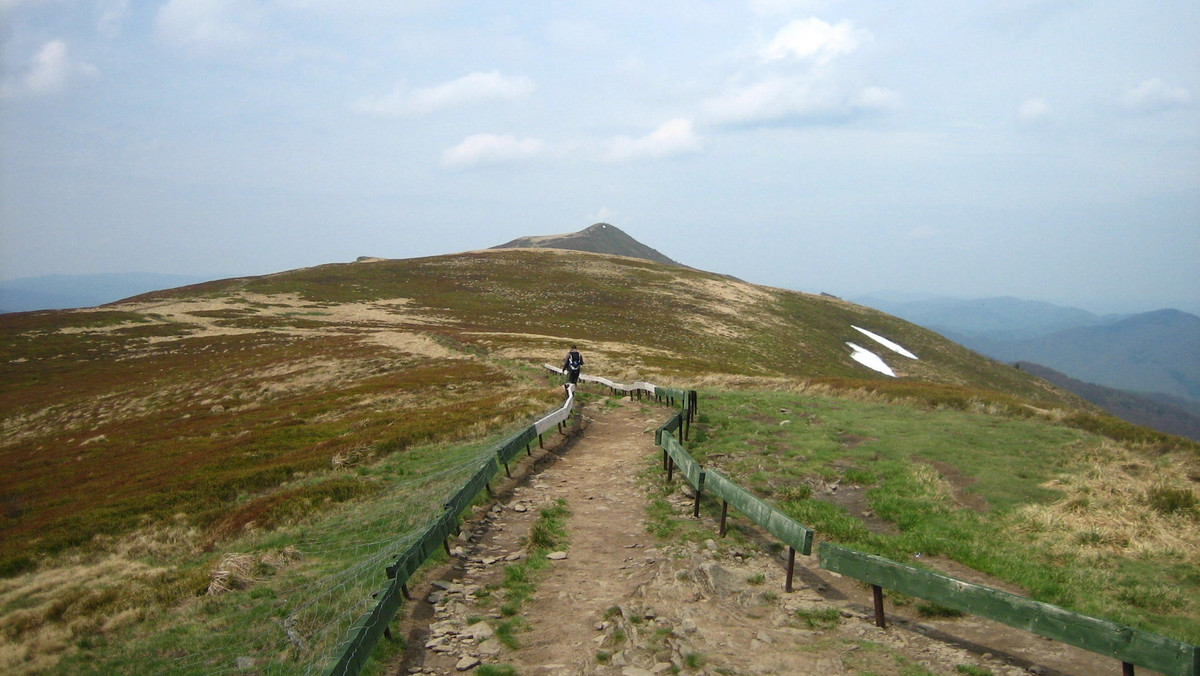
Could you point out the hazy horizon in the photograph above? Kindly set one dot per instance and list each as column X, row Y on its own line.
column 891, row 295
column 1041, row 149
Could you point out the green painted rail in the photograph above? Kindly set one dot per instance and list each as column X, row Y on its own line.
column 789, row 531
column 683, row 461
column 373, row 624
column 1130, row 646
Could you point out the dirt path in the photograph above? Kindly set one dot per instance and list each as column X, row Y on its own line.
column 625, row 602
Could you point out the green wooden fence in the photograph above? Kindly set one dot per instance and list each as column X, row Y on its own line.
column 789, row 531
column 1130, row 646
column 795, row 535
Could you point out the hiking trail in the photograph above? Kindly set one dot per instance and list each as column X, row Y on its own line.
column 625, row 602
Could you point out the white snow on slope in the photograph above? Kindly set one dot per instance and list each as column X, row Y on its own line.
column 885, row 342
column 870, row 360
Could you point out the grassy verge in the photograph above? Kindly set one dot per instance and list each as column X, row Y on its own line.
column 1073, row 519
column 286, row 599
column 548, row 534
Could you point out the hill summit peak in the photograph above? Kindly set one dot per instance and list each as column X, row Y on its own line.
column 603, row 238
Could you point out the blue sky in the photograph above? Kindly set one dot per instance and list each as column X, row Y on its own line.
column 1046, row 149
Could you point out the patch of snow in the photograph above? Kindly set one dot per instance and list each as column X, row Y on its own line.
column 885, row 342
column 870, row 360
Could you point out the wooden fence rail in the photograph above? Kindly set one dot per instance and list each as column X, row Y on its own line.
column 1130, row 646
column 795, row 535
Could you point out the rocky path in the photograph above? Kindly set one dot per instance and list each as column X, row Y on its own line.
column 624, row 602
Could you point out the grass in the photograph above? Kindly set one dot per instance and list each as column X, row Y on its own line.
column 275, row 589
column 329, row 409
column 821, row 619
column 1077, row 520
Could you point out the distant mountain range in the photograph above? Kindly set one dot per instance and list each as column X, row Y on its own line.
column 57, row 292
column 1001, row 318
column 1142, row 367
column 1173, row 415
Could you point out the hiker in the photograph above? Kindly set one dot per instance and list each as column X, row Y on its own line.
column 572, row 364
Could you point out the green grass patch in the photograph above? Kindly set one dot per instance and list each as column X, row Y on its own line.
column 950, row 480
column 819, row 618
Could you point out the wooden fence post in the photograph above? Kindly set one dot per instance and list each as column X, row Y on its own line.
column 877, row 594
column 787, row 585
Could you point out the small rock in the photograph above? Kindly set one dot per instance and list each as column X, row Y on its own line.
column 489, row 648
column 466, row 663
column 245, row 663
column 437, row 596
column 711, row 545
column 479, row 631
column 556, row 556
column 520, row 507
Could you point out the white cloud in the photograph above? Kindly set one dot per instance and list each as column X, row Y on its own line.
column 51, row 70
column 673, row 137
column 491, row 149
column 782, row 98
column 1033, row 110
column 467, row 90
column 604, row 215
column 207, row 26
column 110, row 16
column 1154, row 95
column 814, row 40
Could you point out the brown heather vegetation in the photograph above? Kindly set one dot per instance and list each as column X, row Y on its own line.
column 139, row 440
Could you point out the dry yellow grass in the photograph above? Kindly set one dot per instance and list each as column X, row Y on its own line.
column 1108, row 506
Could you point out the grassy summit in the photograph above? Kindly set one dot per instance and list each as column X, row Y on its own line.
column 144, row 440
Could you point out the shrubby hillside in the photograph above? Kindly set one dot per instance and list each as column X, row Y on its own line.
column 144, row 439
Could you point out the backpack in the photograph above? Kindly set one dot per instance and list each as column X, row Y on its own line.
column 574, row 360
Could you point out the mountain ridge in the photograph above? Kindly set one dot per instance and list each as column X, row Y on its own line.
column 1142, row 353
column 603, row 238
column 1165, row 413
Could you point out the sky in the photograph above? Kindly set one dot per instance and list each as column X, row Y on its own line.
column 1044, row 149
